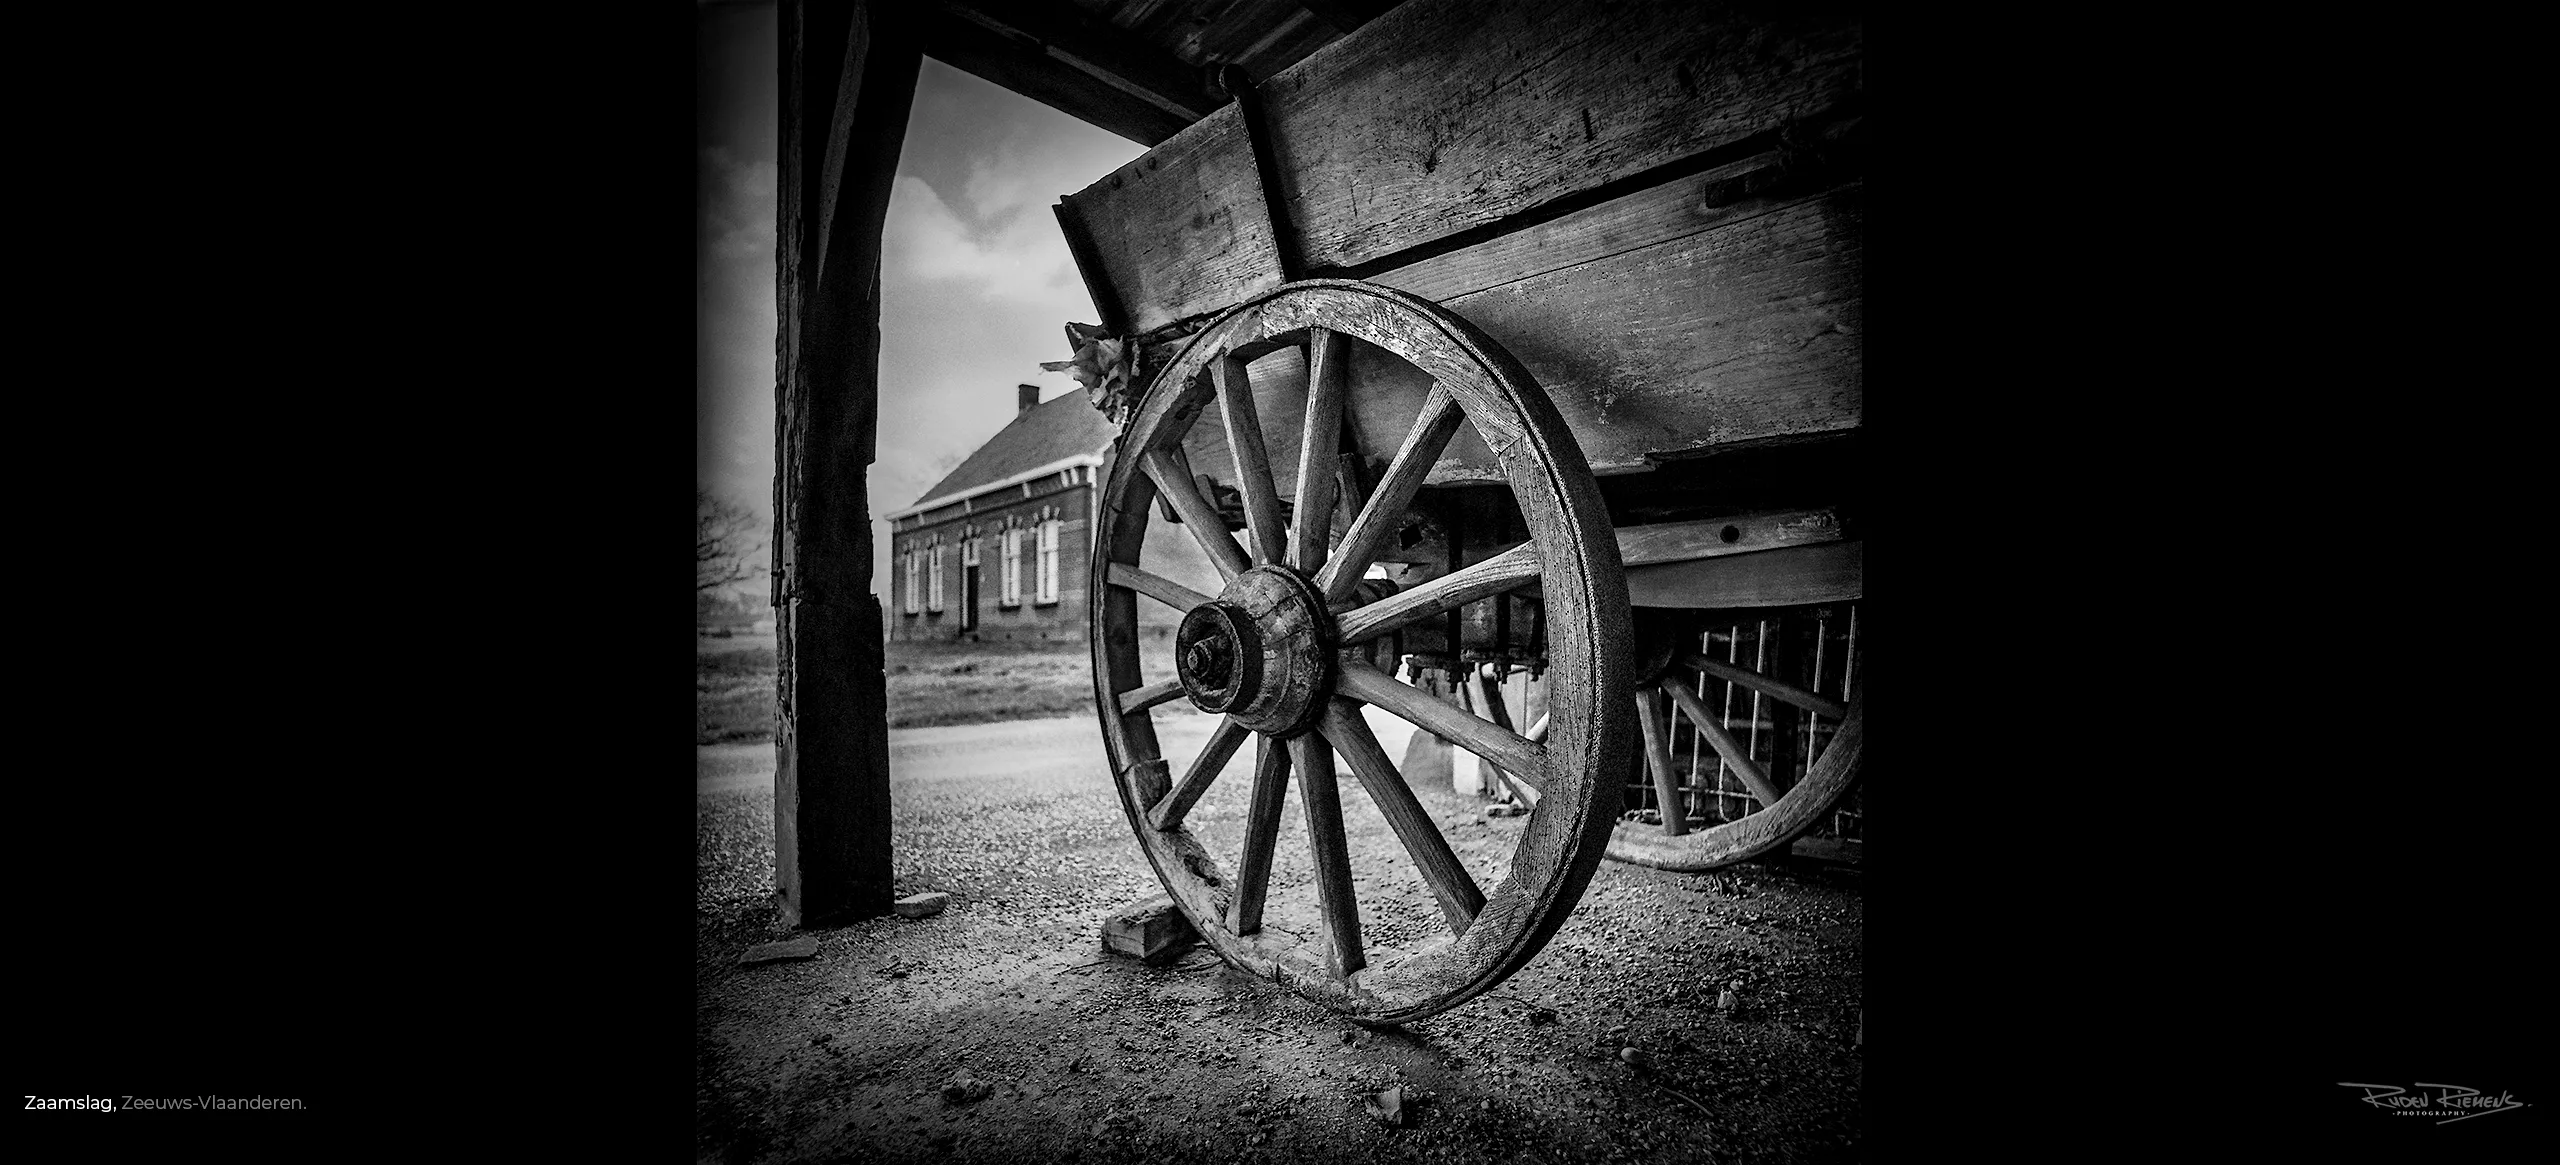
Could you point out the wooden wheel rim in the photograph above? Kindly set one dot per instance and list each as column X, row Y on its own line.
column 1799, row 808
column 1582, row 585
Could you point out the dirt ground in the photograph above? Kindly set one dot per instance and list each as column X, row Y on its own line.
column 1089, row 1057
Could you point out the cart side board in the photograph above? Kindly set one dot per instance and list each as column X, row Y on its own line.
column 1657, row 208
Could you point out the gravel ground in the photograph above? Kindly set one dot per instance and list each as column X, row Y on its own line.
column 1092, row 1058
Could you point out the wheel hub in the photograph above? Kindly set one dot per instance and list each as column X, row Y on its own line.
column 1262, row 652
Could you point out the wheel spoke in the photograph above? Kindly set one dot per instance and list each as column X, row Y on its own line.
column 1527, row 761
column 1460, row 900
column 1207, row 528
column 1790, row 693
column 1489, row 696
column 1253, row 464
column 1502, row 572
column 1350, row 484
column 1140, row 699
column 1154, row 586
column 1261, row 832
column 1205, row 768
column 1657, row 758
column 1725, row 745
column 1384, row 511
column 1323, row 804
column 1318, row 440
column 1537, row 731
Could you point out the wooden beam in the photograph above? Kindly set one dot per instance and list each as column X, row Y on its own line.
column 847, row 74
column 1096, row 47
column 1716, row 537
column 1151, row 102
column 1823, row 572
column 1347, row 15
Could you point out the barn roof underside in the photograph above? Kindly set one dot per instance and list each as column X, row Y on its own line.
column 1139, row 68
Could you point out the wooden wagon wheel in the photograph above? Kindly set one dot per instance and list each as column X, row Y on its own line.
column 1783, row 813
column 1286, row 651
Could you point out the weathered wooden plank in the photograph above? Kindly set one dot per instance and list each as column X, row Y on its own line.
column 1447, row 116
column 1715, row 537
column 1827, row 572
column 1215, row 252
column 847, row 77
column 1748, row 331
column 1672, row 209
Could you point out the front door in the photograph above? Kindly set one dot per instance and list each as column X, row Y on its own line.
column 968, row 599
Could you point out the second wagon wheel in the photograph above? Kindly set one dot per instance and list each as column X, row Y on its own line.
column 1779, row 814
column 1290, row 647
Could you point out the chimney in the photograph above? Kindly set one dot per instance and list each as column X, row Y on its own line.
column 1029, row 396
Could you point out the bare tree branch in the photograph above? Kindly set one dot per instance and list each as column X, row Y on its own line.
column 728, row 542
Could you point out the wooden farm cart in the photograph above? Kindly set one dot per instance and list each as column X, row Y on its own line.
column 1491, row 337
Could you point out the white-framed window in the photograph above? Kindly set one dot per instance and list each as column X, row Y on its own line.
column 1049, row 561
column 933, row 576
column 1012, row 593
column 913, row 595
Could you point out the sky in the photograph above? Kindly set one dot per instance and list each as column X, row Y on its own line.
column 976, row 283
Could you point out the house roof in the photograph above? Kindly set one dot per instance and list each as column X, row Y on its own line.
column 1041, row 436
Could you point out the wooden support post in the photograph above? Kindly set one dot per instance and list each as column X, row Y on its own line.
column 847, row 78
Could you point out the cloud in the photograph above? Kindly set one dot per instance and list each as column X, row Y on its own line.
column 737, row 198
column 1023, row 258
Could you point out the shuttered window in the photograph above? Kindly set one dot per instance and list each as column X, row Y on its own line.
column 912, row 596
